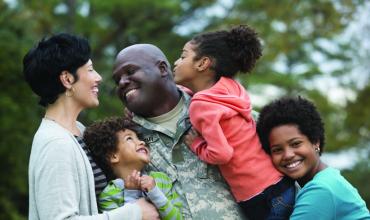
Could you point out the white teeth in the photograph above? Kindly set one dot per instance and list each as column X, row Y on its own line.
column 95, row 89
column 130, row 92
column 294, row 164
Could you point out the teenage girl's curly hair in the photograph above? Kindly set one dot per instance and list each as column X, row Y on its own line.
column 231, row 51
column 291, row 111
column 102, row 140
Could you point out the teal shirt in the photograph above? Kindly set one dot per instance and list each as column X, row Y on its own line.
column 329, row 196
column 162, row 196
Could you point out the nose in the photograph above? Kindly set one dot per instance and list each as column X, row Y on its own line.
column 98, row 77
column 124, row 80
column 141, row 143
column 288, row 154
column 176, row 62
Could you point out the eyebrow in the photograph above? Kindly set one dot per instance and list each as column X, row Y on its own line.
column 122, row 68
column 289, row 141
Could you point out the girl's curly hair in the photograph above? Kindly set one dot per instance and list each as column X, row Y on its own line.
column 233, row 51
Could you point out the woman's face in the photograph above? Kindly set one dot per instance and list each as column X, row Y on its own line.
column 293, row 154
column 86, row 88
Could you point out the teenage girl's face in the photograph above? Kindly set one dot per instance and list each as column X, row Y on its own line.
column 293, row 154
column 185, row 71
column 85, row 89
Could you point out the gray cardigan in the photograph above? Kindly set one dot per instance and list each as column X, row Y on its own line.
column 61, row 181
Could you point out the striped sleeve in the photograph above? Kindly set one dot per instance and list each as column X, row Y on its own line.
column 99, row 177
column 111, row 197
column 169, row 204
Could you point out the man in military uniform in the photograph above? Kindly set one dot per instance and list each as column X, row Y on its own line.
column 146, row 87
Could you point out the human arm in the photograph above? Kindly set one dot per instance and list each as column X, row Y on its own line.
column 59, row 187
column 115, row 196
column 168, row 204
column 212, row 146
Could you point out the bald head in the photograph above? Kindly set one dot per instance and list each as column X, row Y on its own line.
column 144, row 79
column 148, row 52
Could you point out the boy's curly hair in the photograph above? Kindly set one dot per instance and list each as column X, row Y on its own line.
column 294, row 111
column 102, row 140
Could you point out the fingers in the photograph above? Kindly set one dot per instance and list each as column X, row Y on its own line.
column 133, row 180
column 147, row 183
column 127, row 113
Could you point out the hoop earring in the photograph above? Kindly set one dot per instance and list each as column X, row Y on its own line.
column 70, row 92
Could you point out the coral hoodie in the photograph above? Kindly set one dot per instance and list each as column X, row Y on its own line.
column 222, row 115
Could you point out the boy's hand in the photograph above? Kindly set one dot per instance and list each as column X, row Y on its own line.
column 132, row 181
column 190, row 137
column 147, row 183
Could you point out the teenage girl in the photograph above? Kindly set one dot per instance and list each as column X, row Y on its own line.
column 221, row 112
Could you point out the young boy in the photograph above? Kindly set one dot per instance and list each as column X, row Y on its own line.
column 121, row 154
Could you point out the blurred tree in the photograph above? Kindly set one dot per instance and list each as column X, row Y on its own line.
column 295, row 39
column 359, row 177
column 298, row 42
column 109, row 25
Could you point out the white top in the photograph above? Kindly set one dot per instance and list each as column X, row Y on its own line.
column 61, row 181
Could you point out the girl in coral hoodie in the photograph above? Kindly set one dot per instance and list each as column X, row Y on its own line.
column 221, row 112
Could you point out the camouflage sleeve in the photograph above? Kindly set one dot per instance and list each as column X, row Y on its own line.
column 164, row 198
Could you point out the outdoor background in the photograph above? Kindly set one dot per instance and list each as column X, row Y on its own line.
column 319, row 49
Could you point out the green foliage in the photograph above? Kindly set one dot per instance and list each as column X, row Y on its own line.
column 296, row 38
column 292, row 37
column 359, row 178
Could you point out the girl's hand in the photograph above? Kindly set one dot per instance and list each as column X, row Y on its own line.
column 147, row 183
column 190, row 137
column 132, row 181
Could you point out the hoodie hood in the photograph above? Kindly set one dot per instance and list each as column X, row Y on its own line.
column 229, row 93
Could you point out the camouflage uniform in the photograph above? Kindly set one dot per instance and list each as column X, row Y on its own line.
column 202, row 190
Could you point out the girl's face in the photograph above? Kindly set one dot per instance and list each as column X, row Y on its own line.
column 85, row 90
column 185, row 71
column 293, row 154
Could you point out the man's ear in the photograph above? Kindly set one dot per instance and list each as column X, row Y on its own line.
column 163, row 68
column 67, row 79
column 113, row 158
column 203, row 64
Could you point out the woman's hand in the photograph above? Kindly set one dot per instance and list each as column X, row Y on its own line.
column 148, row 210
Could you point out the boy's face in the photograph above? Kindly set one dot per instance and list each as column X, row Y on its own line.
column 131, row 151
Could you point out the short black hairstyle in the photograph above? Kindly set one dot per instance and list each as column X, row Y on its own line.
column 102, row 140
column 294, row 111
column 233, row 51
column 44, row 63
